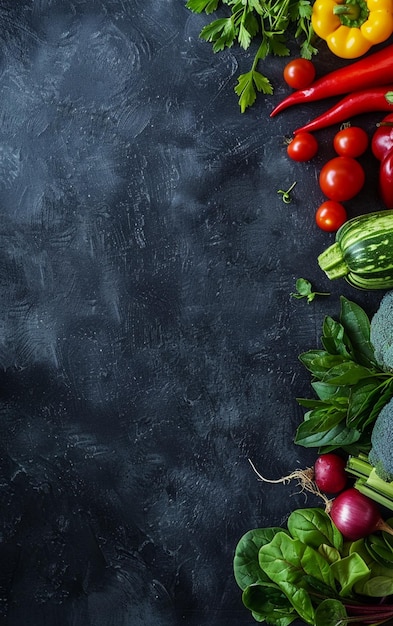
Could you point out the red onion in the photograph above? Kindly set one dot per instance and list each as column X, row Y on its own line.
column 356, row 516
column 329, row 473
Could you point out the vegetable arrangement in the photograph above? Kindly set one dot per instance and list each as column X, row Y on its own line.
column 331, row 566
column 334, row 566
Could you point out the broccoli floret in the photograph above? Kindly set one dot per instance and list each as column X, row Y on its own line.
column 381, row 332
column 381, row 453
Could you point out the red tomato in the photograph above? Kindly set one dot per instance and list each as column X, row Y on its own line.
column 382, row 139
column 341, row 178
column 302, row 147
column 299, row 73
column 330, row 215
column 351, row 141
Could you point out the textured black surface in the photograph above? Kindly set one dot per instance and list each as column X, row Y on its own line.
column 148, row 339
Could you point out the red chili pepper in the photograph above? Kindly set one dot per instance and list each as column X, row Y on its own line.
column 386, row 180
column 371, row 71
column 356, row 103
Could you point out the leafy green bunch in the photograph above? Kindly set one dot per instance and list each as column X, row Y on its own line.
column 270, row 22
column 308, row 571
column 350, row 387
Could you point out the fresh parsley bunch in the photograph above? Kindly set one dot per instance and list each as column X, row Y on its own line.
column 267, row 20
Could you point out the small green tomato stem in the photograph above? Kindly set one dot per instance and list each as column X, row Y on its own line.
column 286, row 195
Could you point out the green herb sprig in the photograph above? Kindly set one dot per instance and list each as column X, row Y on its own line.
column 268, row 22
column 304, row 289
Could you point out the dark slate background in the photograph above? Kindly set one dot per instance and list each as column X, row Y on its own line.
column 148, row 342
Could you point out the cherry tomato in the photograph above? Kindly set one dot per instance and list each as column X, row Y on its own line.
column 382, row 139
column 330, row 215
column 302, row 147
column 351, row 141
column 341, row 178
column 299, row 73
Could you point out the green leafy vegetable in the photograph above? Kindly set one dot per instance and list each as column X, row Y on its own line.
column 268, row 22
column 307, row 571
column 351, row 388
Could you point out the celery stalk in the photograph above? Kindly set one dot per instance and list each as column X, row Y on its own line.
column 368, row 482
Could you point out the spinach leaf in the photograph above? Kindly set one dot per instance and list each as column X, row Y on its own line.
column 349, row 571
column 245, row 563
column 314, row 527
column 287, row 560
column 300, row 600
column 269, row 603
column 330, row 613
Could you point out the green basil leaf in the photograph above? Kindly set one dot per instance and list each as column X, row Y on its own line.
column 347, row 373
column 314, row 527
column 245, row 563
column 321, row 420
column 348, row 571
column 333, row 337
column 336, row 437
column 357, row 328
column 318, row 362
column 326, row 391
column 330, row 613
column 385, row 395
column 362, row 398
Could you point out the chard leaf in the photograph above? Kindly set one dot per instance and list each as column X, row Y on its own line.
column 245, row 563
column 314, row 527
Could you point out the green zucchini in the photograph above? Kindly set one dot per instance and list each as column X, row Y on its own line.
column 362, row 252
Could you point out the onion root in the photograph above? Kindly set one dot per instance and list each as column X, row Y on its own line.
column 305, row 480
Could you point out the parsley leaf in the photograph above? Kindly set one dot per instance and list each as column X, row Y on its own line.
column 198, row 6
column 248, row 85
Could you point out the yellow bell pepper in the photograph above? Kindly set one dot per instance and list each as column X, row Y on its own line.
column 351, row 27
